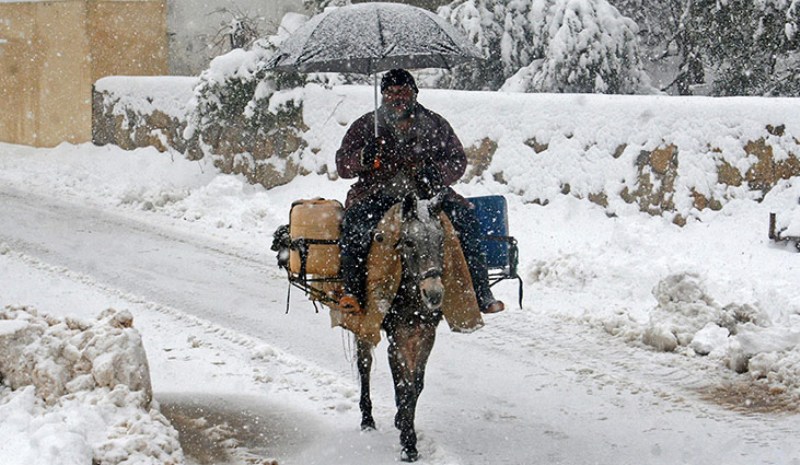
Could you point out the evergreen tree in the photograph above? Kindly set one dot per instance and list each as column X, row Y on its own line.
column 590, row 48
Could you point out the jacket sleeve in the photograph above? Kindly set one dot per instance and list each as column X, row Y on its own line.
column 451, row 160
column 348, row 157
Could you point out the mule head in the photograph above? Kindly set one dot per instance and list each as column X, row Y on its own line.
column 421, row 247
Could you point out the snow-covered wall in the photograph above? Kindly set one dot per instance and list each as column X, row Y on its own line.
column 656, row 153
column 141, row 111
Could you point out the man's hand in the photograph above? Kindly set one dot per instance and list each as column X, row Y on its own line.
column 429, row 181
column 370, row 154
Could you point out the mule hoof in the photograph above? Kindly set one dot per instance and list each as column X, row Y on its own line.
column 409, row 454
column 368, row 425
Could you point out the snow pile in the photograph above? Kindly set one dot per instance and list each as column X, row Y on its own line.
column 771, row 352
column 686, row 316
column 79, row 386
column 687, row 319
column 683, row 309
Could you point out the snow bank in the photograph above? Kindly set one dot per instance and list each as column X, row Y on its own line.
column 743, row 336
column 78, row 386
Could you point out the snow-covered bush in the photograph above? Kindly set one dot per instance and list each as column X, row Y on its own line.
column 247, row 117
column 236, row 90
column 540, row 46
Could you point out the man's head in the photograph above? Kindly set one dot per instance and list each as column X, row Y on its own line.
column 399, row 93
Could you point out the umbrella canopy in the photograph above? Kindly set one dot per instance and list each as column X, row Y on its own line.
column 368, row 38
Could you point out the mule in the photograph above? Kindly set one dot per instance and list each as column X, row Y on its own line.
column 411, row 319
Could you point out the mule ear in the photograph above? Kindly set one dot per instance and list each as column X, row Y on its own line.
column 435, row 205
column 410, row 207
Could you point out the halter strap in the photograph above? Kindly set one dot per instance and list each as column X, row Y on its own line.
column 431, row 273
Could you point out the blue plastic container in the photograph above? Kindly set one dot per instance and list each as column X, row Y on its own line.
column 492, row 213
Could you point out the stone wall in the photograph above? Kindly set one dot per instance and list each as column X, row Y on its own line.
column 263, row 155
column 113, row 123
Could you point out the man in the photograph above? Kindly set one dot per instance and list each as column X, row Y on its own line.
column 415, row 150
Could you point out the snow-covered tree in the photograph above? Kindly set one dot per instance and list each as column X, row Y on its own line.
column 739, row 47
column 506, row 31
column 548, row 46
column 590, row 48
column 671, row 40
column 748, row 41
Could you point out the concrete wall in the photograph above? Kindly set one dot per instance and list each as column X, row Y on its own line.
column 52, row 51
column 128, row 38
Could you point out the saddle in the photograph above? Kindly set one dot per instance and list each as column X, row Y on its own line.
column 459, row 307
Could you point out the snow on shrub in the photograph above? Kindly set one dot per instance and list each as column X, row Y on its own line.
column 236, row 90
column 82, row 383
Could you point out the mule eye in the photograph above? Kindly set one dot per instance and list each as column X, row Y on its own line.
column 408, row 243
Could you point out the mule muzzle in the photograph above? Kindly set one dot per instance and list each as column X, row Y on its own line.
column 432, row 289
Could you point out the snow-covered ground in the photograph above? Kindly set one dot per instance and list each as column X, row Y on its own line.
column 577, row 376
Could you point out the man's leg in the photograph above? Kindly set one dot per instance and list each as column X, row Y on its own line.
column 358, row 223
column 465, row 222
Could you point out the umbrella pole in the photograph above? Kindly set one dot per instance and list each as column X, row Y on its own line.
column 375, row 97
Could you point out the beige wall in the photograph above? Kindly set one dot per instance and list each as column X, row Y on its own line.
column 128, row 38
column 52, row 52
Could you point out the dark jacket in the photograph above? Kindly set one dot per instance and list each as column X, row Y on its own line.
column 432, row 144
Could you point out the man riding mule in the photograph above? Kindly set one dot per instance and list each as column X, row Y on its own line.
column 416, row 152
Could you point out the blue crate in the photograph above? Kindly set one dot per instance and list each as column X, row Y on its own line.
column 492, row 213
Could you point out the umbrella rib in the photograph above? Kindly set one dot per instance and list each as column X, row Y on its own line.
column 302, row 52
column 453, row 44
column 380, row 37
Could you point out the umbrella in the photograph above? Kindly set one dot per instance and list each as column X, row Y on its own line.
column 367, row 38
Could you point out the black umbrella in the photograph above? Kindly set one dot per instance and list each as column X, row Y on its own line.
column 368, row 38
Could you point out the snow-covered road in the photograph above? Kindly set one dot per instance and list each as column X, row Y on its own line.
column 530, row 387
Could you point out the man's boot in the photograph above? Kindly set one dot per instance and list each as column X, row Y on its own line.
column 352, row 276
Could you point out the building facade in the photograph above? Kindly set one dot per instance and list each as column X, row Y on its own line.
column 51, row 52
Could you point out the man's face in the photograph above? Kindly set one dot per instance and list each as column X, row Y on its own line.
column 399, row 101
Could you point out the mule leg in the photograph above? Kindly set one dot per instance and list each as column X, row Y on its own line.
column 409, row 349
column 364, row 354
